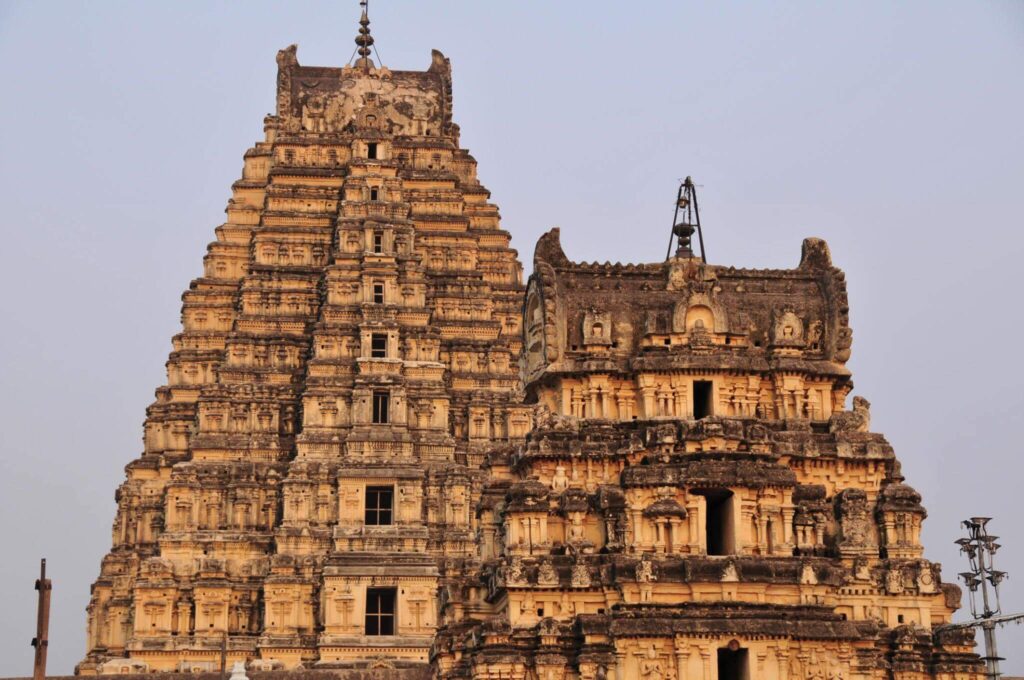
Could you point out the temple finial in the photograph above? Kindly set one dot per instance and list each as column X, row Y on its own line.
column 684, row 228
column 364, row 40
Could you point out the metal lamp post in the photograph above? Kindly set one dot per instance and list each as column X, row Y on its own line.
column 980, row 547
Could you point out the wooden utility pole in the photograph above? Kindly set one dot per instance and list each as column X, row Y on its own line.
column 41, row 640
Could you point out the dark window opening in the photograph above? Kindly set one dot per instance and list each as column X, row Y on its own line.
column 379, row 345
column 668, row 341
column 701, row 398
column 378, row 243
column 379, row 502
column 380, row 611
column 719, row 524
column 373, row 194
column 899, row 618
column 540, row 611
column 371, row 150
column 380, row 407
column 378, row 293
column 732, row 664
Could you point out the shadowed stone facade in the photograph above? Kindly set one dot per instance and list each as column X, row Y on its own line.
column 377, row 453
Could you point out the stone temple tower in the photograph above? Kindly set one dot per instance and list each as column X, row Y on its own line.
column 378, row 454
column 695, row 501
column 351, row 351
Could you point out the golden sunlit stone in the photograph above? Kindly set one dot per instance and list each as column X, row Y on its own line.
column 376, row 450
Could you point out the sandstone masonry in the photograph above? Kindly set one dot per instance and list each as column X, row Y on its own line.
column 377, row 454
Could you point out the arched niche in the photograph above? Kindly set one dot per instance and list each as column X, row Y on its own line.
column 699, row 307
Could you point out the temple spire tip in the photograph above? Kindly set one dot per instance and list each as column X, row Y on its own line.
column 364, row 40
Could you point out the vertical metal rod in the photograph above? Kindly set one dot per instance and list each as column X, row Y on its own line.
column 41, row 640
column 675, row 218
column 991, row 653
column 700, row 232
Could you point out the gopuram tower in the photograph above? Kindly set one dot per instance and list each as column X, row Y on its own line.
column 351, row 351
column 377, row 454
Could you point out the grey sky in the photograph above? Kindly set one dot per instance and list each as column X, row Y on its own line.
column 893, row 130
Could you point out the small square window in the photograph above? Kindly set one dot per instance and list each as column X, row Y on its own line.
column 379, row 504
column 378, row 345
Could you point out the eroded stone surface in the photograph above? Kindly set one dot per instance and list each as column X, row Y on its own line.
column 377, row 456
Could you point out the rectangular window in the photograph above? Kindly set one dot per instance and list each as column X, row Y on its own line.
column 378, row 345
column 378, row 293
column 702, row 399
column 380, row 611
column 374, row 194
column 379, row 501
column 380, row 407
column 719, row 522
column 371, row 150
column 378, row 243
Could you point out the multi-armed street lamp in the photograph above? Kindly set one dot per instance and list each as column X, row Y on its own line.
column 980, row 547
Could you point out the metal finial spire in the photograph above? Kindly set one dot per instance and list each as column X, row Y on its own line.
column 364, row 40
column 683, row 229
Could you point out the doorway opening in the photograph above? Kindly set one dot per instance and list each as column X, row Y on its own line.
column 732, row 663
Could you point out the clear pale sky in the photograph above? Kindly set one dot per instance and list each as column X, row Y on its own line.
column 893, row 130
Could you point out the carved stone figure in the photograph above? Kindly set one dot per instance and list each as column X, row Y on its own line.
column 580, row 575
column 854, row 521
column 546, row 574
column 645, row 571
column 651, row 667
column 894, row 581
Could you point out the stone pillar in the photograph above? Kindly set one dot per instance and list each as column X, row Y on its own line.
column 682, row 658
column 787, row 525
column 705, row 657
column 620, row 665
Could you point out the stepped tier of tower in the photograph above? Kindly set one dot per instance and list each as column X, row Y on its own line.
column 347, row 357
column 695, row 502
